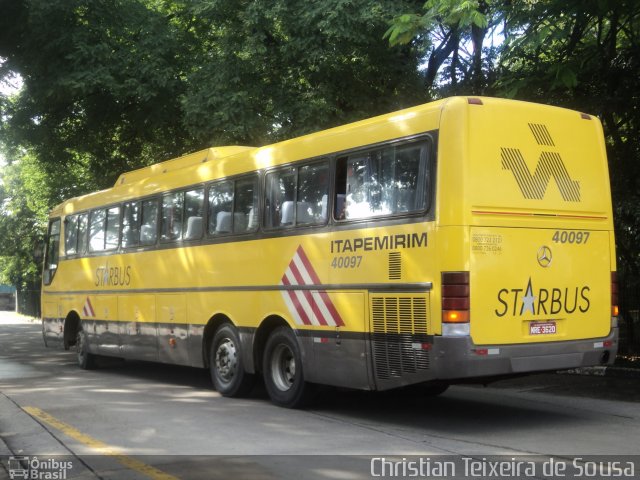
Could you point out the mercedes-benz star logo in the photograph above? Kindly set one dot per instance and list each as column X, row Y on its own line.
column 544, row 256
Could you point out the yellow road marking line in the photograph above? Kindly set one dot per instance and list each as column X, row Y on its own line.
column 102, row 447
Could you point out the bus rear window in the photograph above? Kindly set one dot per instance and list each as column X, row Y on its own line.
column 382, row 182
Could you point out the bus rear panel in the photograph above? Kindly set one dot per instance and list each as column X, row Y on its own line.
column 530, row 189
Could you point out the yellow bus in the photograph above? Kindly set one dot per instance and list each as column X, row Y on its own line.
column 466, row 239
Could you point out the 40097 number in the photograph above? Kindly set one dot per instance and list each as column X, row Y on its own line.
column 346, row 261
column 564, row 236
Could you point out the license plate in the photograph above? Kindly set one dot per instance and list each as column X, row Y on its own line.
column 542, row 328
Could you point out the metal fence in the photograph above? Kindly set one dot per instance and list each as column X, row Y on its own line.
column 28, row 302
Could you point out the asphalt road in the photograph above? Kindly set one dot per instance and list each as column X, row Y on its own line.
column 141, row 420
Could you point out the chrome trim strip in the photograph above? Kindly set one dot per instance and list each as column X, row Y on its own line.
column 378, row 287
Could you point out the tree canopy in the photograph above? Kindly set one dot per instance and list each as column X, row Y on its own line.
column 111, row 85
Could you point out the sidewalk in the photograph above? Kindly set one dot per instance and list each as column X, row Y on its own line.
column 13, row 318
column 16, row 426
column 21, row 435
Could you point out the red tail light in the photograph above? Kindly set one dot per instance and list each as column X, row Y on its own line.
column 455, row 297
column 614, row 294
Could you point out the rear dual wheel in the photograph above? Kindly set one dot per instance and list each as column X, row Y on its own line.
column 282, row 367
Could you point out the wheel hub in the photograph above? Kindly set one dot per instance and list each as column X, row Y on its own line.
column 283, row 369
column 226, row 360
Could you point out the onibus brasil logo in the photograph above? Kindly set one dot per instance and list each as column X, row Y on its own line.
column 38, row 468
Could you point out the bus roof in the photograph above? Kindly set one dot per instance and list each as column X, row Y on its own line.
column 201, row 156
column 217, row 162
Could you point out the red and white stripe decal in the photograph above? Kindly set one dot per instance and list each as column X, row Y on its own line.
column 87, row 310
column 308, row 307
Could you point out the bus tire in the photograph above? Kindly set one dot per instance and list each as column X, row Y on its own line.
column 86, row 360
column 282, row 367
column 225, row 362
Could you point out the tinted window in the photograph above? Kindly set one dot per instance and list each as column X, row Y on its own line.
column 297, row 196
column 112, row 228
column 382, row 182
column 313, row 187
column 233, row 206
column 220, row 208
column 96, row 230
column 83, row 231
column 245, row 208
column 149, row 222
column 280, row 195
column 172, row 210
column 193, row 210
column 71, row 235
column 131, row 225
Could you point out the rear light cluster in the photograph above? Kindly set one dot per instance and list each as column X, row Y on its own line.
column 614, row 294
column 455, row 297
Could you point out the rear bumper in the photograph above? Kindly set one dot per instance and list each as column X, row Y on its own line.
column 459, row 358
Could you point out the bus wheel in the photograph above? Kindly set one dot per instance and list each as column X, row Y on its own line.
column 227, row 372
column 86, row 360
column 282, row 366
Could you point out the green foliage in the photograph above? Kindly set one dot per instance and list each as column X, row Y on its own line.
column 28, row 190
column 23, row 222
column 270, row 70
column 453, row 14
column 101, row 78
column 450, row 35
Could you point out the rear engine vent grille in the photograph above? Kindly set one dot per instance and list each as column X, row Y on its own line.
column 399, row 330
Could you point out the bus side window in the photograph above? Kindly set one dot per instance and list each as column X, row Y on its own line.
column 341, row 189
column 149, row 222
column 71, row 235
column 193, row 209
column 172, row 213
column 112, row 229
column 313, row 187
column 52, row 253
column 96, row 230
column 382, row 182
column 220, row 206
column 131, row 225
column 83, row 231
column 280, row 195
column 245, row 205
